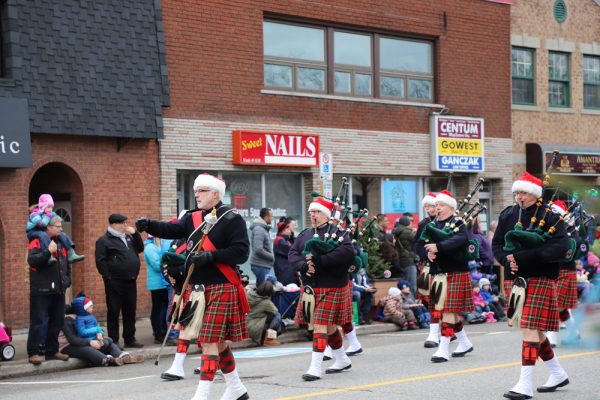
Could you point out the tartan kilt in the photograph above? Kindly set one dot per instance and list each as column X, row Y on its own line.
column 222, row 317
column 540, row 311
column 508, row 284
column 566, row 289
column 459, row 296
column 333, row 306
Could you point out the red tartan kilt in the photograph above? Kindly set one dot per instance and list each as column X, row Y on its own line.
column 508, row 284
column 540, row 311
column 459, row 295
column 566, row 289
column 333, row 306
column 223, row 319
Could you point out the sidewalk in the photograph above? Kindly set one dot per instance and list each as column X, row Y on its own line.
column 20, row 367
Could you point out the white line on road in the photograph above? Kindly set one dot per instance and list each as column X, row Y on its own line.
column 67, row 382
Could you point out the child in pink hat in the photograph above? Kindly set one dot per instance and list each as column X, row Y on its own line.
column 39, row 218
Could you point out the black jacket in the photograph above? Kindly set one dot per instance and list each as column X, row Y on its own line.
column 331, row 268
column 543, row 261
column 44, row 279
column 450, row 256
column 283, row 270
column 114, row 260
column 404, row 237
column 417, row 247
column 229, row 236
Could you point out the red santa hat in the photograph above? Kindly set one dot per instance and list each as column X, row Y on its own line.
column 529, row 184
column 320, row 204
column 446, row 197
column 559, row 207
column 429, row 199
column 87, row 303
column 207, row 181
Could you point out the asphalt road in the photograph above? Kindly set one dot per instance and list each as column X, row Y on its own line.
column 393, row 366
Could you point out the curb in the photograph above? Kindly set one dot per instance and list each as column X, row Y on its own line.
column 150, row 353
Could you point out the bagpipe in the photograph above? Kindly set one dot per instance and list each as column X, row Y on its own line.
column 577, row 222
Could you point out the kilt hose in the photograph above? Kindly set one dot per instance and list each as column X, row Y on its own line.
column 333, row 306
column 566, row 289
column 459, row 295
column 540, row 311
column 222, row 317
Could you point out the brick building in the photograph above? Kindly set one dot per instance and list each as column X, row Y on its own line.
column 82, row 86
column 556, row 88
column 364, row 78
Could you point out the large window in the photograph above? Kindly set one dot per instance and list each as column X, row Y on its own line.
column 558, row 75
column 349, row 63
column 591, row 82
column 523, row 76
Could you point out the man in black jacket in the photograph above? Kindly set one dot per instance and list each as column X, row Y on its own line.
column 47, row 284
column 118, row 262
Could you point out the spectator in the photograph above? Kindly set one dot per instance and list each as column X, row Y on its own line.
column 39, row 218
column 394, row 312
column 481, row 306
column 86, row 325
column 118, row 262
column 493, row 301
column 47, row 285
column 281, row 247
column 486, row 256
column 422, row 315
column 583, row 281
column 264, row 320
column 262, row 257
column 404, row 235
column 94, row 351
column 362, row 293
column 158, row 286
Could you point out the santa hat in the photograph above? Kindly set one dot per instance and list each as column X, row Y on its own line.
column 446, row 197
column 337, row 215
column 206, row 181
column 529, row 184
column 320, row 204
column 429, row 199
column 87, row 303
column 559, row 207
column 45, row 201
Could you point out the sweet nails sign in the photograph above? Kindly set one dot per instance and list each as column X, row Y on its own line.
column 275, row 148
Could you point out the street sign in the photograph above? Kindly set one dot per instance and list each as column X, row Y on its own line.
column 326, row 166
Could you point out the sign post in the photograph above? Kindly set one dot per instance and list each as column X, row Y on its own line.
column 326, row 174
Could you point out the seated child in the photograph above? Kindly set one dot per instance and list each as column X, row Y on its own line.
column 493, row 301
column 481, row 306
column 583, row 282
column 393, row 311
column 419, row 310
column 86, row 324
column 39, row 218
column 264, row 319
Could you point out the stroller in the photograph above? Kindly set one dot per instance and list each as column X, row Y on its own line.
column 7, row 350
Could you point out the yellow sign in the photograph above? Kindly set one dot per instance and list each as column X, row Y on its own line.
column 459, row 147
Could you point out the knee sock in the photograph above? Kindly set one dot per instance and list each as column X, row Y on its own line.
column 530, row 353
column 347, row 328
column 226, row 361
column 319, row 342
column 448, row 330
column 458, row 327
column 182, row 345
column 546, row 353
column 335, row 340
column 434, row 318
column 208, row 366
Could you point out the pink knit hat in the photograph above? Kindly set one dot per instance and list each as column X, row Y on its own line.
column 592, row 259
column 45, row 201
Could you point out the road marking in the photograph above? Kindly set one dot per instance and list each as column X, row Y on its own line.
column 67, row 382
column 496, row 333
column 269, row 352
column 423, row 377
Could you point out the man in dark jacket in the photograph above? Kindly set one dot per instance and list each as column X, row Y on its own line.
column 262, row 256
column 404, row 235
column 281, row 247
column 47, row 284
column 118, row 262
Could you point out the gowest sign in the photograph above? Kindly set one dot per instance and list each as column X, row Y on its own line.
column 15, row 140
column 275, row 148
column 457, row 143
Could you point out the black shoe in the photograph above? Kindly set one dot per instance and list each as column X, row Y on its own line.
column 135, row 344
column 436, row 359
column 337, row 370
column 310, row 378
column 355, row 352
column 171, row 377
column 462, row 353
column 516, row 396
column 430, row 344
column 546, row 389
column 197, row 371
column 361, row 322
column 326, row 358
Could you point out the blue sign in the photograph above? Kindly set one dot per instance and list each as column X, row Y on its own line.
column 400, row 197
column 460, row 163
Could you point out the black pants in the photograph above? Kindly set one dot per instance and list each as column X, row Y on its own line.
column 46, row 318
column 121, row 297
column 92, row 355
column 158, row 315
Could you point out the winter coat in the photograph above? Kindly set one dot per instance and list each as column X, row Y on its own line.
column 392, row 306
column 283, row 270
column 404, row 240
column 38, row 219
column 152, row 254
column 486, row 256
column 262, row 245
column 45, row 279
column 260, row 308
column 407, row 300
column 478, row 299
column 114, row 260
column 450, row 251
column 86, row 325
column 68, row 335
column 487, row 296
column 360, row 281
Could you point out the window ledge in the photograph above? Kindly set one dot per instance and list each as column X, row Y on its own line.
column 7, row 82
column 590, row 111
column 561, row 110
column 355, row 99
column 525, row 107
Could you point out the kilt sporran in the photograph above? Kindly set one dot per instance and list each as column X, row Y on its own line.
column 190, row 318
column 423, row 281
column 439, row 291
column 516, row 301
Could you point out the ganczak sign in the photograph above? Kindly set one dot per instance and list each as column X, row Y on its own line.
column 275, row 148
column 457, row 143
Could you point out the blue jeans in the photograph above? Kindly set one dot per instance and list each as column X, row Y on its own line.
column 410, row 274
column 364, row 301
column 46, row 319
column 260, row 273
column 45, row 239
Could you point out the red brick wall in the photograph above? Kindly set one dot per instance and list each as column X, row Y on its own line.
column 103, row 180
column 215, row 59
